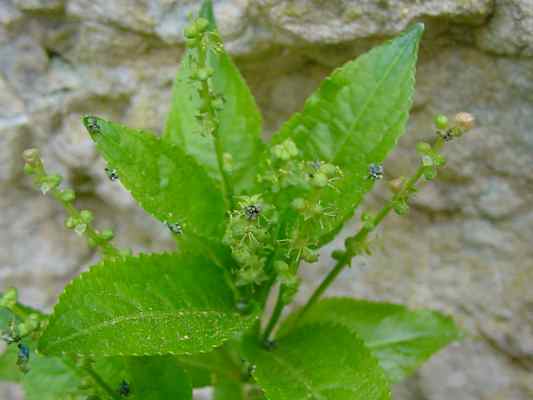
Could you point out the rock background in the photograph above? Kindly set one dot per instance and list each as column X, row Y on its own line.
column 466, row 246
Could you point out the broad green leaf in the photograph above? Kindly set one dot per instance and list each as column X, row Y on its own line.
column 147, row 305
column 51, row 378
column 240, row 120
column 320, row 361
column 8, row 368
column 354, row 119
column 401, row 339
column 228, row 390
column 146, row 378
column 163, row 180
column 206, row 369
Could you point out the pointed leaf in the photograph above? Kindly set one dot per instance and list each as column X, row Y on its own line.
column 320, row 361
column 401, row 339
column 240, row 120
column 145, row 305
column 164, row 181
column 354, row 119
column 8, row 369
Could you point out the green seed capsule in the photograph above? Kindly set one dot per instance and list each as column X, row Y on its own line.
column 68, row 195
column 441, row 122
column 71, row 222
column 319, row 180
column 86, row 216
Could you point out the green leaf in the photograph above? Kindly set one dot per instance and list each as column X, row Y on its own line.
column 162, row 179
column 240, row 120
column 401, row 339
column 206, row 11
column 354, row 119
column 207, row 369
column 8, row 368
column 147, row 378
column 320, row 361
column 146, row 305
column 51, row 378
column 228, row 390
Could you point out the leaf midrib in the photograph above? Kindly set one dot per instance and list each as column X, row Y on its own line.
column 367, row 102
column 144, row 315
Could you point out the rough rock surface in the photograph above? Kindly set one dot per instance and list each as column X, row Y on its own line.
column 466, row 246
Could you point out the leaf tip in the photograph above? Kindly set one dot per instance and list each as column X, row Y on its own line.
column 92, row 124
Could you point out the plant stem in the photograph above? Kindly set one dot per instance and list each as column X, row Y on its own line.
column 219, row 148
column 98, row 379
column 353, row 244
column 276, row 314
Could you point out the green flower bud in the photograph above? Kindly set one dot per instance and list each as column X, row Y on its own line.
column 430, row 173
column 9, row 299
column 191, row 31
column 319, row 180
column 329, row 170
column 423, row 148
column 107, row 234
column 298, row 204
column 365, row 217
column 92, row 242
column 427, row 161
column 205, row 73
column 71, row 222
column 201, row 24
column 28, row 169
column 33, row 322
column 68, row 195
column 338, row 254
column 441, row 122
column 309, row 255
column 86, row 216
column 401, row 207
column 80, row 229
column 23, row 329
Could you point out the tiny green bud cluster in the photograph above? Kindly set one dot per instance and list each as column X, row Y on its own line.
column 248, row 234
column 79, row 221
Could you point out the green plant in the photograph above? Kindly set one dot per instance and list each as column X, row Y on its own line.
column 245, row 216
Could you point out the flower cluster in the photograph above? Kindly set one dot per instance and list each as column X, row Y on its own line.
column 248, row 235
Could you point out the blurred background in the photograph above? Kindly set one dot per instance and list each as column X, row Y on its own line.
column 465, row 248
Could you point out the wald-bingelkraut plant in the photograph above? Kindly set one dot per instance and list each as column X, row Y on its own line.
column 246, row 216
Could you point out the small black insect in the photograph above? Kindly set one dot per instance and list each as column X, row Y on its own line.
column 23, row 357
column 252, row 211
column 447, row 135
column 270, row 344
column 375, row 171
column 111, row 173
column 175, row 227
column 124, row 388
column 93, row 125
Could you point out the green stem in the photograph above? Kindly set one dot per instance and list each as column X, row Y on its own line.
column 100, row 382
column 219, row 148
column 106, row 247
column 353, row 243
column 274, row 318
